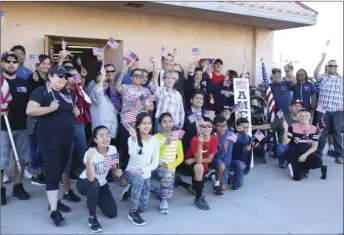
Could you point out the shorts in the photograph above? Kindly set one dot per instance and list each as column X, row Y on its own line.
column 225, row 175
column 186, row 169
column 22, row 143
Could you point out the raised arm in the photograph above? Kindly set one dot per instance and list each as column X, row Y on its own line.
column 118, row 85
column 155, row 71
column 318, row 68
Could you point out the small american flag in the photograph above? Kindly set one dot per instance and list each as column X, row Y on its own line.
column 237, row 107
column 279, row 114
column 34, row 58
column 112, row 43
column 192, row 118
column 110, row 160
column 78, row 61
column 129, row 117
column 64, row 45
column 6, row 96
column 259, row 135
column 210, row 114
column 178, row 133
column 321, row 109
column 196, row 51
column 3, row 14
column 164, row 51
column 138, row 104
column 269, row 95
column 232, row 136
column 129, row 56
column 98, row 51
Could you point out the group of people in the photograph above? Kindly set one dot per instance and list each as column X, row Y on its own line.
column 160, row 124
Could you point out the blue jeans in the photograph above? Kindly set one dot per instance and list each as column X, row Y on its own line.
column 333, row 121
column 281, row 151
column 238, row 176
column 157, row 126
column 79, row 145
column 36, row 159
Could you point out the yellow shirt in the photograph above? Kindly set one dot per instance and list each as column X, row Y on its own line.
column 171, row 154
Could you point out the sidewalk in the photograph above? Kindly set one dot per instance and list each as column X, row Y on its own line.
column 269, row 203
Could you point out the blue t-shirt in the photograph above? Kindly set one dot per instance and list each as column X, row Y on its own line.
column 304, row 92
column 23, row 72
column 126, row 79
column 281, row 92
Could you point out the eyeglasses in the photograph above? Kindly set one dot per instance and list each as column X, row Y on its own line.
column 110, row 71
column 332, row 66
column 206, row 126
column 11, row 61
column 138, row 76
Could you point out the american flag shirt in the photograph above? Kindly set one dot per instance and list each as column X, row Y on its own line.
column 331, row 92
column 130, row 95
column 169, row 100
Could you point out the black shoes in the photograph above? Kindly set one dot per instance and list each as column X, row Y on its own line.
column 57, row 217
column 61, row 207
column 94, row 224
column 323, row 172
column 71, row 197
column 217, row 191
column 126, row 193
column 19, row 192
column 3, row 196
column 39, row 180
column 201, row 204
column 135, row 217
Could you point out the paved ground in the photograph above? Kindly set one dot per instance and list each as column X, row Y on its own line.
column 269, row 203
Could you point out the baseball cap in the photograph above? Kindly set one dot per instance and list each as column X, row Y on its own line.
column 5, row 55
column 58, row 71
column 276, row 70
column 297, row 102
column 218, row 61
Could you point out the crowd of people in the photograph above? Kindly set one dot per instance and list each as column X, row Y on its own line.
column 160, row 124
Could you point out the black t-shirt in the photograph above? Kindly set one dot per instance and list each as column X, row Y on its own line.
column 301, row 140
column 35, row 84
column 20, row 92
column 60, row 121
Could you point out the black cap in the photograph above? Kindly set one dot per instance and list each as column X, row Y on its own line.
column 276, row 70
column 297, row 102
column 20, row 47
column 5, row 55
column 218, row 61
column 58, row 71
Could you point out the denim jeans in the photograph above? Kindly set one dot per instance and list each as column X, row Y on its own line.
column 79, row 145
column 157, row 126
column 238, row 176
column 36, row 159
column 333, row 121
column 281, row 151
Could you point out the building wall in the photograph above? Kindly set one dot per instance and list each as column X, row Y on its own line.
column 26, row 23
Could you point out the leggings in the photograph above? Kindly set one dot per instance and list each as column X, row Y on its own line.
column 97, row 195
column 140, row 190
column 166, row 178
column 55, row 151
column 299, row 169
column 124, row 156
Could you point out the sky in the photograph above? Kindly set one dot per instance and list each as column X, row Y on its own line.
column 306, row 45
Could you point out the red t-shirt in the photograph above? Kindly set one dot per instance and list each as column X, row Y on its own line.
column 208, row 148
column 217, row 78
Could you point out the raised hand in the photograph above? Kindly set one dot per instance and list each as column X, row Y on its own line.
column 35, row 76
column 191, row 68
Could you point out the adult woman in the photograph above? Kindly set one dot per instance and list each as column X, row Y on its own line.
column 131, row 101
column 100, row 158
column 37, row 79
column 171, row 155
column 144, row 157
column 102, row 110
column 302, row 138
column 52, row 106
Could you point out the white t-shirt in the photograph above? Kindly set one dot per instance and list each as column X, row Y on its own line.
column 100, row 169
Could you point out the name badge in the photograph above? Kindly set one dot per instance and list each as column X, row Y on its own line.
column 21, row 89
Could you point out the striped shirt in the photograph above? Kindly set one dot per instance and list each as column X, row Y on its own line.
column 169, row 100
column 331, row 92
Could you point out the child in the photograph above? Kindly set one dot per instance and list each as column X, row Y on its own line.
column 100, row 158
column 171, row 155
column 144, row 157
column 223, row 157
column 241, row 155
column 202, row 150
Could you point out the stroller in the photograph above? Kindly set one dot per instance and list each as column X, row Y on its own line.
column 266, row 148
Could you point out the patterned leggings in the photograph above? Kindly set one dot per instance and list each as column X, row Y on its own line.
column 140, row 190
column 166, row 178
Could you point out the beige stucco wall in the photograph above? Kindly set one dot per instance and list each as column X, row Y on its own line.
column 26, row 23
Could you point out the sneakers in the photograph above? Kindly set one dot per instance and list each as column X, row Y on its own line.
column 339, row 160
column 201, row 204
column 94, row 224
column 39, row 180
column 57, row 217
column 124, row 182
column 207, row 175
column 6, row 179
column 234, row 188
column 217, row 191
column 135, row 217
column 71, row 196
column 19, row 192
column 163, row 207
column 126, row 193
column 27, row 174
column 331, row 153
column 283, row 164
column 3, row 196
column 61, row 207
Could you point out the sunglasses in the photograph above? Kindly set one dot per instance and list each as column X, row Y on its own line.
column 332, row 66
column 206, row 126
column 11, row 61
column 110, row 71
column 62, row 76
column 138, row 76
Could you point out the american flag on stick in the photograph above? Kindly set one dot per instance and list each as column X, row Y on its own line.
column 64, row 44
column 279, row 114
column 110, row 160
column 210, row 114
column 164, row 51
column 232, row 136
column 259, row 135
column 321, row 109
column 78, row 61
column 269, row 95
column 6, row 96
column 129, row 117
column 129, row 56
column 112, row 43
column 196, row 51
column 237, row 107
column 34, row 58
column 98, row 51
column 178, row 133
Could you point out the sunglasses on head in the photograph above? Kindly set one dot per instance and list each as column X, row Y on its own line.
column 11, row 61
column 138, row 76
column 110, row 71
column 332, row 66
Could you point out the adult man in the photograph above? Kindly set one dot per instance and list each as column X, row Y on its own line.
column 22, row 71
column 331, row 98
column 127, row 77
column 166, row 64
column 20, row 91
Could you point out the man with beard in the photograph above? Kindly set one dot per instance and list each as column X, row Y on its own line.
column 20, row 91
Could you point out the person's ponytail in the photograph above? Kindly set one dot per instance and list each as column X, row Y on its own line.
column 139, row 140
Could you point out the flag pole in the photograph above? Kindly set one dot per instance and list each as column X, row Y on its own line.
column 12, row 143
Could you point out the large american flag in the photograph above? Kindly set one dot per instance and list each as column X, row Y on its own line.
column 112, row 43
column 111, row 160
column 129, row 117
column 129, row 56
column 196, row 51
column 6, row 96
column 269, row 95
